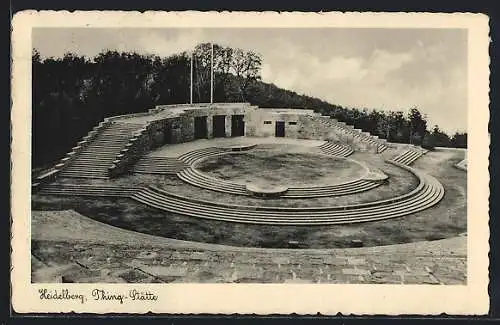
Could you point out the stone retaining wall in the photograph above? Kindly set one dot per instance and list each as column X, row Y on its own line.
column 70, row 156
column 171, row 130
column 178, row 127
column 303, row 124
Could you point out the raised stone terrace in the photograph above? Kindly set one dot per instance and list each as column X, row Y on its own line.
column 167, row 111
column 176, row 150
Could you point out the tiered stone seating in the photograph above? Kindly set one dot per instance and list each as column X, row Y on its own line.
column 94, row 159
column 159, row 165
column 348, row 188
column 192, row 156
column 87, row 190
column 409, row 156
column 196, row 178
column 356, row 133
column 462, row 165
column 381, row 148
column 428, row 193
column 336, row 149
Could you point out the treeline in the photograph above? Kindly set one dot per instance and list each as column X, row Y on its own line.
column 395, row 126
column 73, row 93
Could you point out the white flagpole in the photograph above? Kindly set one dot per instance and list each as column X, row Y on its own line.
column 212, row 75
column 191, row 81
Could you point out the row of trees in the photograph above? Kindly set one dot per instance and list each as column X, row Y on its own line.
column 395, row 126
column 73, row 93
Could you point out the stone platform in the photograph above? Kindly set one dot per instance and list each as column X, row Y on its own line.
column 67, row 246
column 266, row 191
column 237, row 147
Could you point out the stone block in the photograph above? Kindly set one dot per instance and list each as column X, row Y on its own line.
column 355, row 272
column 335, row 260
column 161, row 271
column 356, row 261
column 383, row 277
column 356, row 243
column 419, row 279
column 281, row 260
column 344, row 278
column 198, row 256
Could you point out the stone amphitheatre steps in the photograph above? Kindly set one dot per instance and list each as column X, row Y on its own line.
column 195, row 155
column 356, row 133
column 409, row 156
column 381, row 148
column 349, row 188
column 159, row 165
column 95, row 158
column 88, row 190
column 462, row 165
column 428, row 193
column 196, row 178
column 336, row 149
column 199, row 179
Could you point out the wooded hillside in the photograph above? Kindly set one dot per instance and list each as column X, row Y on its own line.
column 73, row 93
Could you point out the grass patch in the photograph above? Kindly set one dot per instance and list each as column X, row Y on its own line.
column 279, row 168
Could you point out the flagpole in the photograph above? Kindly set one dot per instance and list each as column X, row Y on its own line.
column 191, row 81
column 212, row 74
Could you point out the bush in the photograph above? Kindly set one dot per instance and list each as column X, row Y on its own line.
column 428, row 142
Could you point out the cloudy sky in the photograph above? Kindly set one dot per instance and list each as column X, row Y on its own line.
column 374, row 68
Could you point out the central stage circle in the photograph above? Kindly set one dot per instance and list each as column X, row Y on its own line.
column 277, row 169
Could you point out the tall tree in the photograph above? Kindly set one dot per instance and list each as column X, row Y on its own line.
column 441, row 139
column 417, row 125
column 245, row 65
column 459, row 140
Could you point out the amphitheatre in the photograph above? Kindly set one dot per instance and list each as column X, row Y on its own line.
column 231, row 192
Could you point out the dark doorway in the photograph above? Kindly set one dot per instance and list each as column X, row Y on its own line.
column 168, row 134
column 219, row 126
column 200, row 127
column 237, row 126
column 280, row 128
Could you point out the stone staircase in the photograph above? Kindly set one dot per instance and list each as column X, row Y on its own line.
column 355, row 133
column 193, row 156
column 93, row 160
column 462, row 165
column 336, row 149
column 159, row 165
column 100, row 190
column 409, row 156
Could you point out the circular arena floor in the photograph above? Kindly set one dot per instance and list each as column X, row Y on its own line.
column 268, row 167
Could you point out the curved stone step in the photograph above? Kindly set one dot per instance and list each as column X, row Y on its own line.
column 429, row 195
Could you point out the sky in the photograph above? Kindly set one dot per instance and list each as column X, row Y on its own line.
column 385, row 69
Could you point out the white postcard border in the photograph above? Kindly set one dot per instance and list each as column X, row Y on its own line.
column 261, row 298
